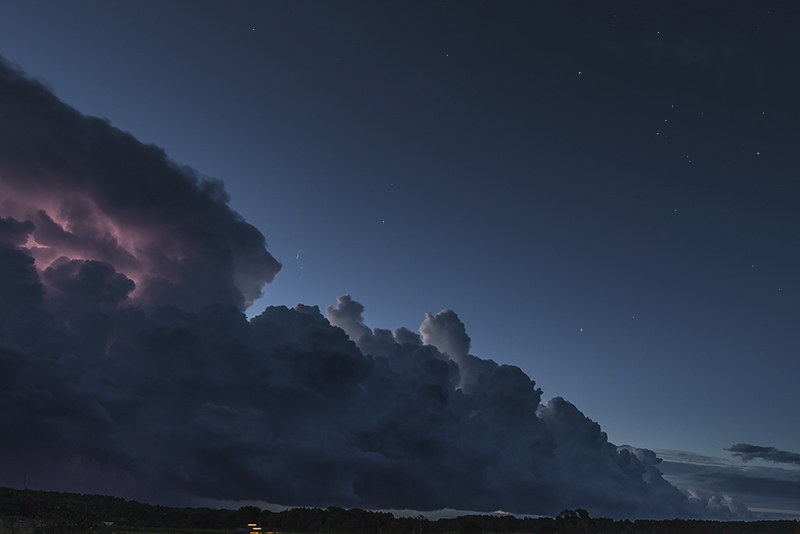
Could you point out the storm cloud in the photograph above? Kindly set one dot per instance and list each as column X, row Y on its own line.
column 128, row 366
column 86, row 190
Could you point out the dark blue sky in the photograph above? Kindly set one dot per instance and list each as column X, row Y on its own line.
column 606, row 193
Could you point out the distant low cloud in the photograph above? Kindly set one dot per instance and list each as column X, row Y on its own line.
column 750, row 452
column 128, row 366
column 770, row 492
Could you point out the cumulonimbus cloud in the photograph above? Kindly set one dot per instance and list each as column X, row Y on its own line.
column 128, row 366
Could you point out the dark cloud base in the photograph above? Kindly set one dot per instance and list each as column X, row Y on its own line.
column 128, row 366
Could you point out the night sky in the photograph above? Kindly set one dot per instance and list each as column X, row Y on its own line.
column 602, row 196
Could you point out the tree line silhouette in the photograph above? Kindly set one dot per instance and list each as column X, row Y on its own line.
column 48, row 512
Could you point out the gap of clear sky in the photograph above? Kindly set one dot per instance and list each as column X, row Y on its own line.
column 605, row 193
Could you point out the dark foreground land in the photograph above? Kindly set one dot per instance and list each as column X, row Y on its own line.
column 46, row 512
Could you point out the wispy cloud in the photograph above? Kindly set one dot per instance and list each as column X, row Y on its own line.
column 750, row 452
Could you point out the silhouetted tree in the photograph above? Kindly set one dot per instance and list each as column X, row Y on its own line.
column 471, row 527
column 70, row 518
column 248, row 514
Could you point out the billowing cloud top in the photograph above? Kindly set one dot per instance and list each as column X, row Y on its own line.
column 88, row 191
column 128, row 367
